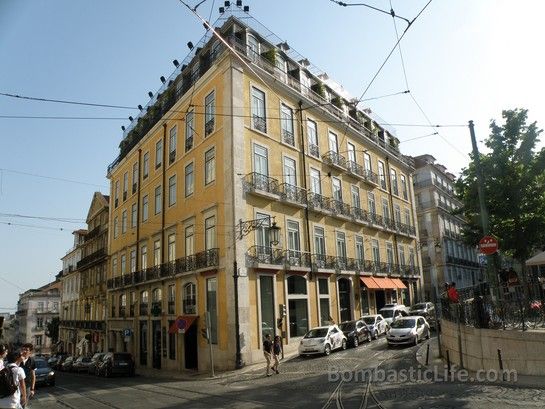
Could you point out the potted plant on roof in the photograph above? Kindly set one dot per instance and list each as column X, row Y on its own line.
column 338, row 102
column 270, row 55
column 318, row 88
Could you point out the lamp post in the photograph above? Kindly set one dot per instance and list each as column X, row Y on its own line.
column 241, row 230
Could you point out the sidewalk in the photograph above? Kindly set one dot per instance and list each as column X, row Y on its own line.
column 440, row 365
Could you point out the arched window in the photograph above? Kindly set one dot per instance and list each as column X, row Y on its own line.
column 190, row 298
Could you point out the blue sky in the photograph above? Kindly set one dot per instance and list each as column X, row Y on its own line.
column 464, row 60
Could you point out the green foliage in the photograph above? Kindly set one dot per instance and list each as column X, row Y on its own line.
column 338, row 102
column 270, row 55
column 52, row 329
column 514, row 186
column 319, row 88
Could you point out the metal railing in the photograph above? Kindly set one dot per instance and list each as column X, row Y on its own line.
column 259, row 123
column 335, row 159
column 293, row 193
column 287, row 137
column 314, row 150
column 257, row 181
column 264, row 255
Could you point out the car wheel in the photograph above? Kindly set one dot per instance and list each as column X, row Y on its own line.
column 344, row 344
column 327, row 350
column 356, row 342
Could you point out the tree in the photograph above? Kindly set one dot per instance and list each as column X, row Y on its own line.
column 52, row 329
column 514, row 186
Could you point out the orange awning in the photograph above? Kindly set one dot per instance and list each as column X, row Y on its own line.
column 398, row 283
column 385, row 283
column 369, row 282
column 182, row 323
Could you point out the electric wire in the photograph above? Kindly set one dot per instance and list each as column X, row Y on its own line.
column 63, row 101
column 51, row 177
column 343, row 4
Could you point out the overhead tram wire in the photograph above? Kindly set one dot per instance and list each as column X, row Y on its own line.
column 419, row 137
column 61, row 101
column 343, row 4
column 52, row 178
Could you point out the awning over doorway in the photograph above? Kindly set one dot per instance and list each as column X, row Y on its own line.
column 398, row 283
column 382, row 283
column 369, row 282
column 536, row 260
column 182, row 323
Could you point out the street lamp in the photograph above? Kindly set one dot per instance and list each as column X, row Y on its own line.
column 241, row 230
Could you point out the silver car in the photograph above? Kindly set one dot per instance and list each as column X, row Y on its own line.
column 322, row 340
column 408, row 330
column 376, row 324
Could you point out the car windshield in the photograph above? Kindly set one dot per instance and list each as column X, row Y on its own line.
column 403, row 324
column 40, row 363
column 418, row 307
column 387, row 313
column 316, row 333
column 347, row 326
column 369, row 320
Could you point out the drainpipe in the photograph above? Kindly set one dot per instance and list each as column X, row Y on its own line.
column 391, row 204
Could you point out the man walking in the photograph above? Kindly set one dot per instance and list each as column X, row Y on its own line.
column 18, row 398
column 267, row 352
column 29, row 366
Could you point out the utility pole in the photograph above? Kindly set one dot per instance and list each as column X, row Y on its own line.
column 491, row 262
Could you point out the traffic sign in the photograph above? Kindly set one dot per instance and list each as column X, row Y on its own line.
column 127, row 332
column 488, row 245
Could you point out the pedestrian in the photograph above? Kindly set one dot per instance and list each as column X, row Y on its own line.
column 277, row 350
column 267, row 352
column 3, row 353
column 18, row 398
column 453, row 295
column 29, row 366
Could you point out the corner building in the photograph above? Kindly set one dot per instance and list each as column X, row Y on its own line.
column 234, row 141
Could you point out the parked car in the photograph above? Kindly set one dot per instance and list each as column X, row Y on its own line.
column 376, row 324
column 116, row 363
column 355, row 332
column 55, row 360
column 81, row 364
column 95, row 360
column 66, row 365
column 44, row 373
column 408, row 330
column 322, row 340
column 391, row 314
column 426, row 310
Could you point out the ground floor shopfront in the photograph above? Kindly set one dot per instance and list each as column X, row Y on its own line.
column 82, row 338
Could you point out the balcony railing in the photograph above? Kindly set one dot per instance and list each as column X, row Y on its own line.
column 338, row 207
column 318, row 202
column 376, row 218
column 334, row 159
column 287, row 137
column 293, row 193
column 93, row 325
column 91, row 258
column 359, row 214
column 93, row 233
column 296, row 258
column 314, row 150
column 143, row 308
column 209, row 127
column 371, row 176
column 258, row 182
column 389, row 223
column 264, row 255
column 260, row 123
column 207, row 258
column 323, row 261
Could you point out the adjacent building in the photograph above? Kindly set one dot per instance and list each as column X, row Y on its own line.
column 35, row 309
column 244, row 138
column 445, row 257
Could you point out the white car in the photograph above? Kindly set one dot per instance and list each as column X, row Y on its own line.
column 392, row 313
column 408, row 330
column 376, row 323
column 322, row 340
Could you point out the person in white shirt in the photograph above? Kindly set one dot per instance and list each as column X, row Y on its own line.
column 18, row 399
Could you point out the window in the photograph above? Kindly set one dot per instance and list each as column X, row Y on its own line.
column 172, row 190
column 158, row 201
column 393, row 177
column 407, row 217
column 116, row 194
column 189, row 240
column 144, row 257
column 39, row 322
column 290, row 176
column 125, row 185
column 351, row 152
column 341, row 245
column 337, row 189
column 385, row 209
column 189, row 180
column 172, row 142
column 297, row 306
column 145, row 170
column 367, row 163
column 404, row 189
column 132, row 303
column 261, row 160
column 390, row 255
column 323, row 291
column 286, row 124
column 158, row 153
column 209, row 113
column 189, row 131
column 123, row 264
column 315, row 182
column 401, row 254
column 171, row 299
column 171, row 249
column 189, row 299
column 319, row 244
column 259, row 120
column 124, row 222
column 266, row 291
column 144, row 302
column 133, row 215
column 294, row 245
column 122, row 304
column 116, row 227
column 359, row 251
column 39, row 340
column 355, row 197
column 371, row 203
column 133, row 260
column 332, row 139
column 211, row 308
column 145, row 208
column 157, row 252
column 312, row 133
column 209, row 166
column 381, row 175
column 210, row 233
column 114, row 266
column 253, row 47
column 376, row 250
column 134, row 177
column 262, row 233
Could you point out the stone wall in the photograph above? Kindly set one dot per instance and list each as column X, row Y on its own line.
column 521, row 351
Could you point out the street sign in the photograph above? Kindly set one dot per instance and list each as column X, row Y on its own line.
column 488, row 245
column 127, row 332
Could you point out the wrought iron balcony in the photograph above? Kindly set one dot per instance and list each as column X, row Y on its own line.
column 355, row 168
column 287, row 137
column 209, row 127
column 207, row 258
column 296, row 258
column 371, row 177
column 314, row 150
column 257, row 182
column 93, row 233
column 334, row 159
column 92, row 258
column 260, row 123
column 264, row 255
column 128, row 279
column 323, row 261
column 376, row 218
column 372, row 266
column 389, row 223
column 338, row 207
column 359, row 214
column 341, row 263
column 318, row 202
column 187, row 263
column 293, row 194
column 153, row 273
column 143, row 308
column 188, row 143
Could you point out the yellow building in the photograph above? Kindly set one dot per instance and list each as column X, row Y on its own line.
column 246, row 134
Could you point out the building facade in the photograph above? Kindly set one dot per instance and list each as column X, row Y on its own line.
column 445, row 258
column 70, row 303
column 245, row 136
column 35, row 309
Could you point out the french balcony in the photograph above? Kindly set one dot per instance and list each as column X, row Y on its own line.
column 261, row 185
column 293, row 194
column 355, row 169
column 313, row 150
column 128, row 279
column 264, row 255
column 335, row 160
column 209, row 127
column 296, row 258
column 167, row 269
column 389, row 223
column 185, row 264
column 259, row 123
column 92, row 258
column 360, row 215
column 371, row 267
column 287, row 137
column 318, row 202
column 153, row 273
column 324, row 262
column 340, row 209
column 206, row 259
column 371, row 177
column 376, row 219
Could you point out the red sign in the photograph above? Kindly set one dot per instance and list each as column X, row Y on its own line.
column 488, row 245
